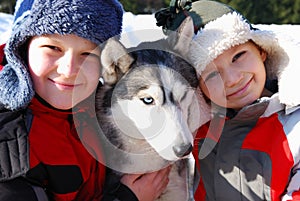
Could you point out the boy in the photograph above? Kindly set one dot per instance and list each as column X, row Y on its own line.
column 47, row 85
column 253, row 152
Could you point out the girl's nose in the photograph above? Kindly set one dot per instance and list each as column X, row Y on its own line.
column 68, row 65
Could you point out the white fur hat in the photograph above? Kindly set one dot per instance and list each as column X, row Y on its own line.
column 219, row 27
column 231, row 29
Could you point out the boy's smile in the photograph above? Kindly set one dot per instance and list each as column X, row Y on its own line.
column 65, row 69
column 240, row 91
column 64, row 85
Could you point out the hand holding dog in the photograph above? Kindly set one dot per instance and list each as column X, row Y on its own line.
column 147, row 187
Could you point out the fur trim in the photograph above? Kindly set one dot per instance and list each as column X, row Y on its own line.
column 217, row 36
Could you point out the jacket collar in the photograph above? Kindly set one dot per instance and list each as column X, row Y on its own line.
column 39, row 105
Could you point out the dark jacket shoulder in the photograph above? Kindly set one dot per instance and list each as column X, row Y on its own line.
column 13, row 144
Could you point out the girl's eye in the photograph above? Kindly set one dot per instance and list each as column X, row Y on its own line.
column 238, row 55
column 148, row 100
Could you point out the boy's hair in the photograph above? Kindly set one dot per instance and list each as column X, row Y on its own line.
column 95, row 20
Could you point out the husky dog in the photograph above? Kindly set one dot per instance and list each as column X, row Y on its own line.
column 147, row 110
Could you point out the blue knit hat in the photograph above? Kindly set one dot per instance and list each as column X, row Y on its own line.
column 95, row 20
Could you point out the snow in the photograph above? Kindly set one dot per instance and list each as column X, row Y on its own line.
column 137, row 28
column 5, row 24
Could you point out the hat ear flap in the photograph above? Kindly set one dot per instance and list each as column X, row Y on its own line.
column 181, row 38
column 115, row 61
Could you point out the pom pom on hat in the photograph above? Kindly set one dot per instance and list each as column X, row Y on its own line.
column 201, row 12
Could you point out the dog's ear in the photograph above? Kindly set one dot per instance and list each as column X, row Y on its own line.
column 180, row 39
column 115, row 61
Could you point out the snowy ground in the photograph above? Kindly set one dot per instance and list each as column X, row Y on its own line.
column 142, row 27
column 5, row 24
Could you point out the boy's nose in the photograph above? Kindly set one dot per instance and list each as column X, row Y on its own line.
column 68, row 66
column 231, row 76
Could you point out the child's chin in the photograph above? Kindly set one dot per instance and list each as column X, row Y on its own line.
column 63, row 105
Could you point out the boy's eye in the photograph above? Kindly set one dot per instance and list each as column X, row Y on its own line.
column 238, row 55
column 211, row 75
column 52, row 47
column 91, row 54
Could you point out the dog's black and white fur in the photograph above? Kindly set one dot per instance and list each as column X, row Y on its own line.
column 147, row 109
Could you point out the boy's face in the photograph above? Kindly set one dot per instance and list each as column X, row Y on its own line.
column 236, row 77
column 65, row 69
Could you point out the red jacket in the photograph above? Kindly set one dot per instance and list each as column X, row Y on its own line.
column 58, row 160
column 254, row 158
column 46, row 147
column 47, row 153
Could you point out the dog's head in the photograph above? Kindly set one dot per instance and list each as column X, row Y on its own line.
column 152, row 97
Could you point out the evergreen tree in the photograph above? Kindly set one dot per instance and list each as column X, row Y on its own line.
column 7, row 6
column 257, row 11
column 268, row 11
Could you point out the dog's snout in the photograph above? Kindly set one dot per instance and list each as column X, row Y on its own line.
column 182, row 150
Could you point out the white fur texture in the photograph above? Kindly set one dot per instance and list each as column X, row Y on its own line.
column 231, row 29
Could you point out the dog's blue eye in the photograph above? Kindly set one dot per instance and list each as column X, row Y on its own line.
column 147, row 100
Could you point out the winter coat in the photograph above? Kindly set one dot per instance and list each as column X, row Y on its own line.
column 49, row 154
column 52, row 155
column 254, row 154
column 255, row 157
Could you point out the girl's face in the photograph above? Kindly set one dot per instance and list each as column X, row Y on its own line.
column 65, row 69
column 236, row 77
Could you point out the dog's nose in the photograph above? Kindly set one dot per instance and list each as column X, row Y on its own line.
column 182, row 150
